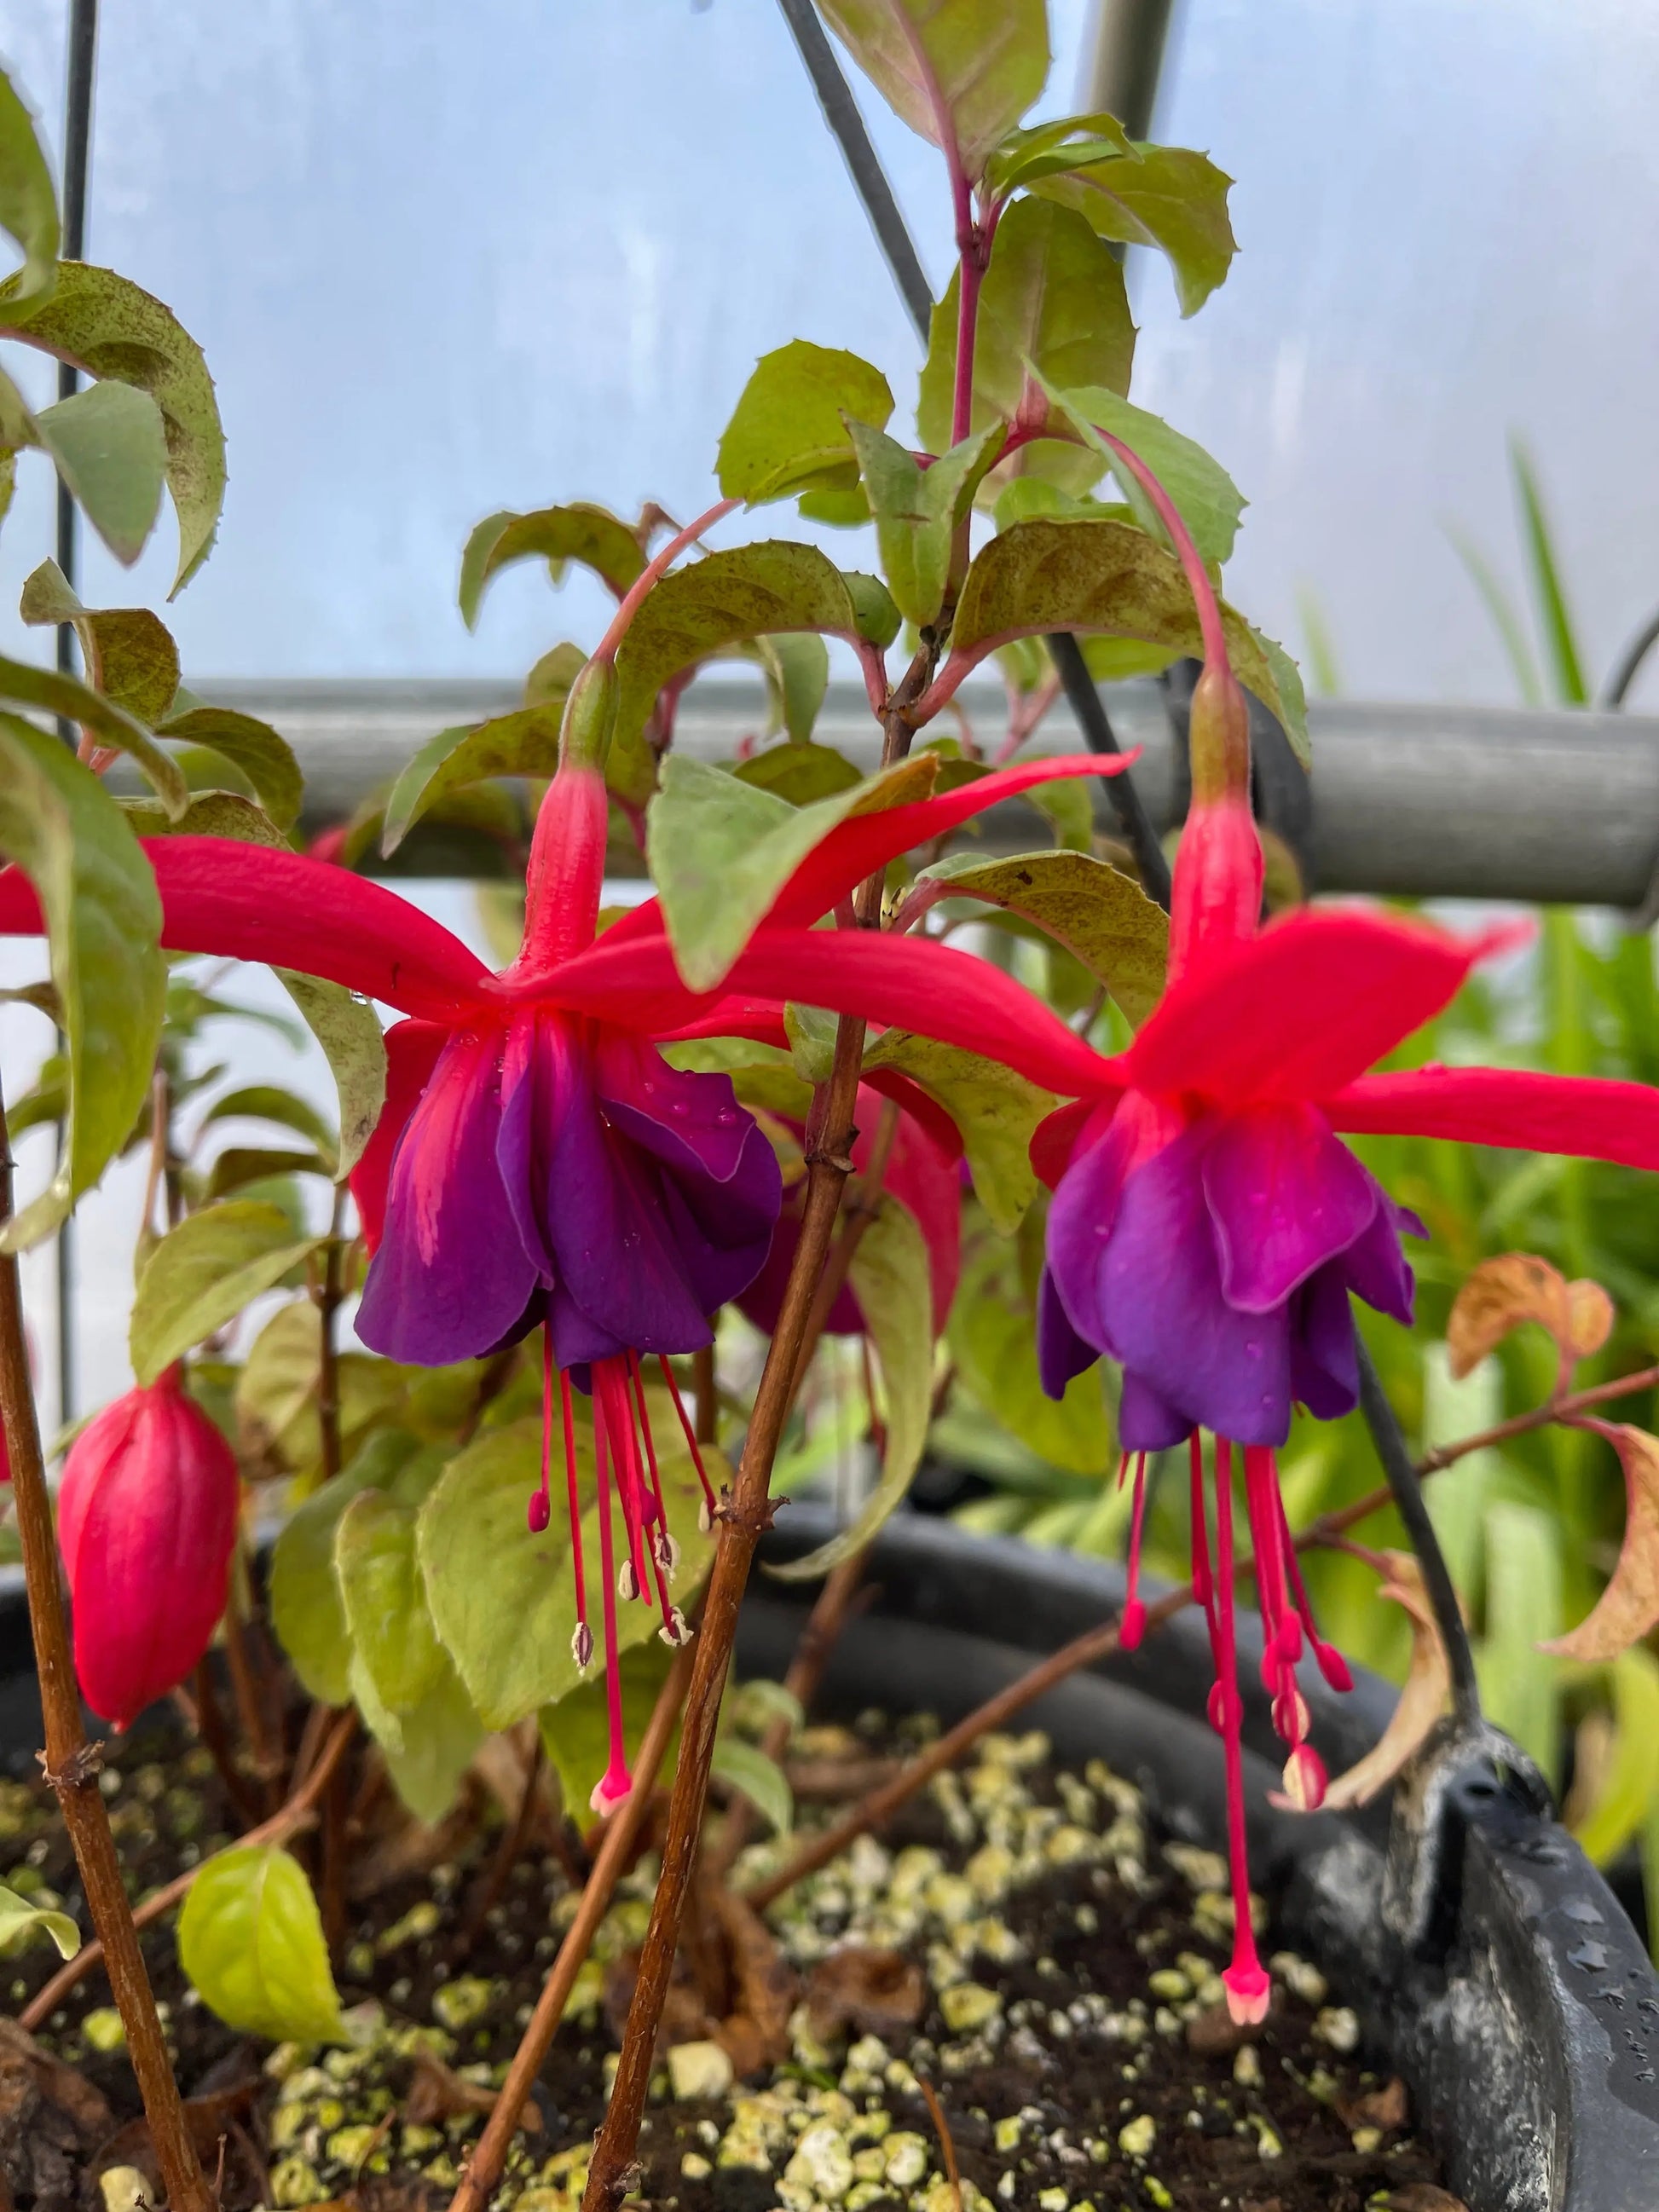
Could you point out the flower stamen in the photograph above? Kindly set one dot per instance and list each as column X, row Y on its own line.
column 581, row 1643
column 1245, row 1980
column 706, row 1516
column 616, row 1782
column 1133, row 1626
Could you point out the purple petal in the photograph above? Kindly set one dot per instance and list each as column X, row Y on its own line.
column 1165, row 1316
column 722, row 1236
column 1376, row 1269
column 691, row 1122
column 1061, row 1352
column 1324, row 1357
column 1144, row 1422
column 452, row 1276
column 577, row 1340
column 1081, row 1218
column 615, row 1252
column 539, row 1070
column 1286, row 1194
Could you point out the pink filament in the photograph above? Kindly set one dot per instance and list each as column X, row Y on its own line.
column 691, row 1438
column 616, row 1782
column 1133, row 1623
column 539, row 1511
column 1245, row 1981
column 657, row 1567
column 572, row 1496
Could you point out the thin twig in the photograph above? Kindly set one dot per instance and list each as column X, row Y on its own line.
column 946, row 2141
column 297, row 1813
column 705, row 1407
column 1557, row 1408
column 249, row 1693
column 215, row 1740
column 484, row 2169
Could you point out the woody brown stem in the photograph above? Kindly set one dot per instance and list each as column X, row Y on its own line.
column 215, row 1740
column 329, row 1294
column 860, row 1205
column 296, row 1815
column 744, row 1515
column 70, row 1764
column 249, row 1694
column 484, row 2168
column 705, row 1408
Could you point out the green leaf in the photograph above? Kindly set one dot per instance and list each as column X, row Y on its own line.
column 109, row 445
column 558, row 535
column 548, row 682
column 800, row 773
column 20, row 1921
column 1505, row 619
column 1630, row 1783
column 504, row 1599
column 1549, row 594
column 891, row 1280
column 993, row 1340
column 959, row 71
column 250, row 1940
column 1205, row 496
column 788, row 433
column 1108, row 576
column 796, row 666
column 267, row 1102
column 721, row 850
column 996, row 1110
column 1292, row 708
column 876, row 618
column 201, row 1273
column 1101, row 917
column 384, row 1600
column 576, row 1731
column 1520, row 1685
column 105, row 324
column 1053, row 297
column 742, row 591
column 23, row 685
column 439, row 1737
column 103, row 923
column 276, row 1390
column 1068, row 807
column 349, row 1030
column 525, row 743
column 129, row 654
column 842, row 506
column 306, row 1608
column 29, row 205
column 1137, row 194
column 745, row 1767
column 240, row 1165
column 265, row 758
column 917, row 511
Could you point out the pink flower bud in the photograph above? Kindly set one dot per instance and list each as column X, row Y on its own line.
column 146, row 1518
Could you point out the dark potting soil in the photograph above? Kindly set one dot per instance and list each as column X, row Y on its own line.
column 1021, row 1939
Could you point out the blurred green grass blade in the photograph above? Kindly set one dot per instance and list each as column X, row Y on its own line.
column 1520, row 1685
column 1505, row 617
column 1324, row 668
column 1549, row 598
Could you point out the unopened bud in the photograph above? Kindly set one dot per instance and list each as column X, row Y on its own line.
column 590, row 710
column 146, row 1518
column 1219, row 737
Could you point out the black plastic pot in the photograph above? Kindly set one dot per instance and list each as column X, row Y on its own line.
column 1479, row 1945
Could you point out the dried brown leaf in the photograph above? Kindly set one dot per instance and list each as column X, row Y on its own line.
column 1518, row 1286
column 1386, row 2108
column 1629, row 1606
column 764, row 1983
column 436, row 2095
column 1422, row 1700
column 874, row 1992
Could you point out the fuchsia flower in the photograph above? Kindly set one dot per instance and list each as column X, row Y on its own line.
column 147, row 1517
column 536, row 1161
column 1209, row 1226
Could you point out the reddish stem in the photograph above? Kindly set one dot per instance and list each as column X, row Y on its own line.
column 655, row 567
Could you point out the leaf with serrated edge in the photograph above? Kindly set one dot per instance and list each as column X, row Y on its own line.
column 1167, row 197
column 502, row 1598
column 265, row 757
column 960, row 72
column 105, row 324
column 103, row 924
column 721, row 850
column 23, row 685
column 110, row 447
column 996, row 1110
column 1422, row 1701
column 788, row 433
column 739, row 593
column 1205, row 496
column 1088, row 574
column 29, row 205
column 384, row 1600
column 523, row 743
column 556, row 535
column 1500, row 1293
column 1054, row 295
column 129, row 654
column 917, row 510
column 21, row 1921
column 349, row 1030
column 203, row 1273
column 890, row 1278
column 1101, row 917
column 1629, row 1606
column 251, row 1940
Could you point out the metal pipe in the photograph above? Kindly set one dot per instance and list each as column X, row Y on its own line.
column 1551, row 804
column 1125, row 61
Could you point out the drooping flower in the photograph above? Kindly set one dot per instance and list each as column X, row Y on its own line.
column 1209, row 1227
column 536, row 1161
column 147, row 1516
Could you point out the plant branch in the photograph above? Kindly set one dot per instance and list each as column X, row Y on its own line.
column 861, row 1204
column 328, row 1295
column 655, row 567
column 296, row 1815
column 484, row 2168
column 70, row 1764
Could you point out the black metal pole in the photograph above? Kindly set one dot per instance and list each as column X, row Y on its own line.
column 841, row 113
column 1413, row 1509
column 77, row 156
